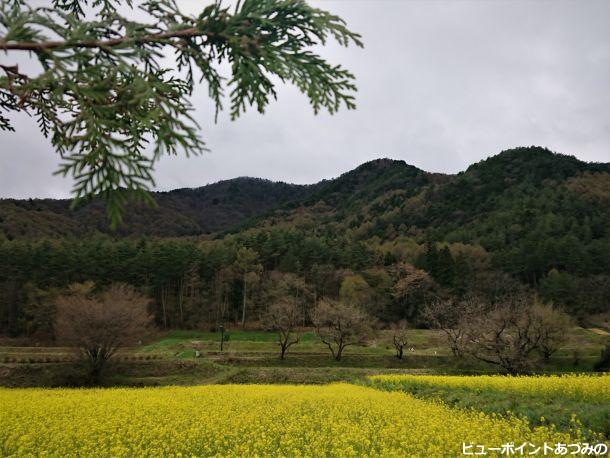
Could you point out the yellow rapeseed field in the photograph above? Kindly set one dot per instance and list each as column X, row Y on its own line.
column 246, row 420
column 577, row 387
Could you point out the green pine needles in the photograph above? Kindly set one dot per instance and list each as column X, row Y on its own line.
column 111, row 105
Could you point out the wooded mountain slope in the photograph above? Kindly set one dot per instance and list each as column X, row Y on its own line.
column 495, row 200
column 181, row 212
column 385, row 235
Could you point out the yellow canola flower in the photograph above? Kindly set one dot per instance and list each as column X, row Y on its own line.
column 580, row 387
column 246, row 420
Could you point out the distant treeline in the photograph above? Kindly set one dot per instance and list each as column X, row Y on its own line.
column 199, row 284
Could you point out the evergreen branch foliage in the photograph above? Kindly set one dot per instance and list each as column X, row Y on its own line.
column 111, row 105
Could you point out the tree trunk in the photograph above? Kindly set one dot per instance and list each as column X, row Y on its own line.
column 181, row 300
column 96, row 364
column 546, row 354
column 339, row 353
column 163, row 305
column 243, row 315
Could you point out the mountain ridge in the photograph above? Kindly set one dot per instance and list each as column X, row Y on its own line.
column 376, row 187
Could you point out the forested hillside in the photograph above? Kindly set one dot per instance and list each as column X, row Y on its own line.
column 181, row 212
column 386, row 236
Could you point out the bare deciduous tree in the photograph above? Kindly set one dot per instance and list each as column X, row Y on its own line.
column 400, row 337
column 504, row 334
column 505, row 329
column 280, row 285
column 98, row 325
column 283, row 317
column 552, row 325
column 339, row 325
column 451, row 317
column 413, row 289
column 247, row 267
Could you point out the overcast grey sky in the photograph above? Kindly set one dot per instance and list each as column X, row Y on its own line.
column 442, row 84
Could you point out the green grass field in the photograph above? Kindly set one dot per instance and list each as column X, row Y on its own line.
column 170, row 358
column 553, row 401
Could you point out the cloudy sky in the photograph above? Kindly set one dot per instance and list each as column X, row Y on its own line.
column 442, row 84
